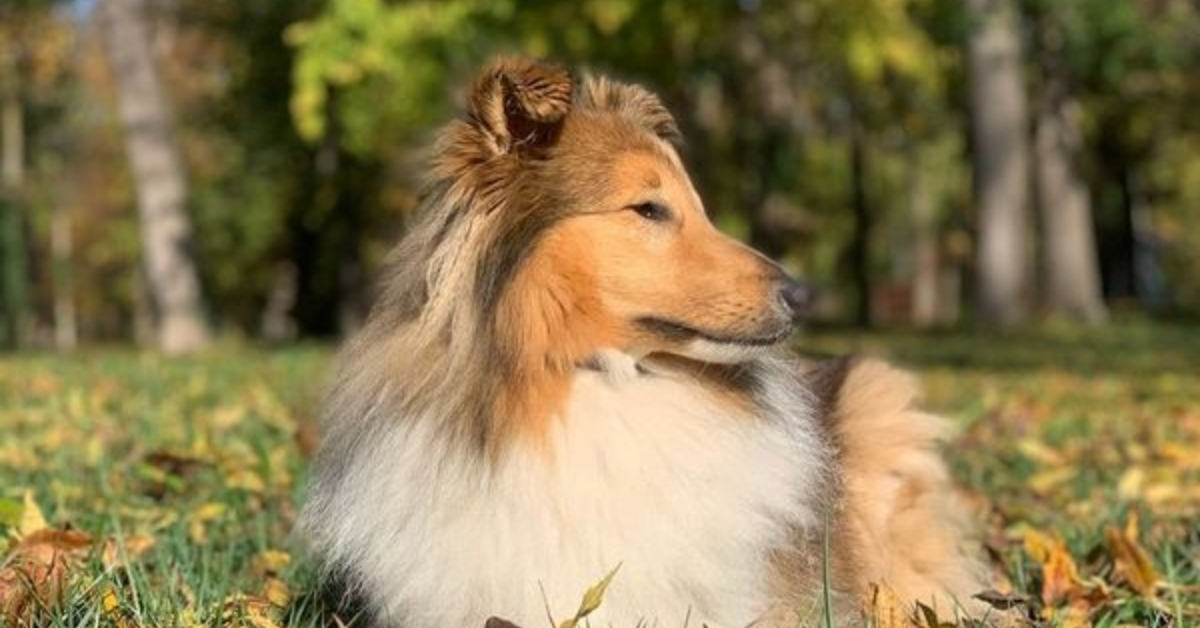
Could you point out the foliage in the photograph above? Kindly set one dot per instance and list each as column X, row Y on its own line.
column 384, row 64
column 166, row 489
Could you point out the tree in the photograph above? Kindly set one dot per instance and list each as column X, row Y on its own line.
column 159, row 179
column 1001, row 160
column 1071, row 282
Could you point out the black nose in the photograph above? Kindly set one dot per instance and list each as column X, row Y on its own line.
column 798, row 296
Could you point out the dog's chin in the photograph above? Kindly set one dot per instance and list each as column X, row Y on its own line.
column 730, row 352
column 717, row 347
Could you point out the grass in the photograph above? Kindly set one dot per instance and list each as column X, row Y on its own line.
column 185, row 474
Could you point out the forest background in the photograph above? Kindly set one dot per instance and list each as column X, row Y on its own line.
column 927, row 162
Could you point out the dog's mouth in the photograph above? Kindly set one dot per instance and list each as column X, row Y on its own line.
column 680, row 332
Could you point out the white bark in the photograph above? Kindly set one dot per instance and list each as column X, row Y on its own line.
column 925, row 267
column 166, row 228
column 66, row 334
column 1071, row 281
column 1001, row 159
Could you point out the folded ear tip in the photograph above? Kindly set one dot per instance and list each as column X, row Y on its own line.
column 518, row 101
column 541, row 91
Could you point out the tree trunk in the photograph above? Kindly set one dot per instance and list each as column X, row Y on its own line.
column 1071, row 282
column 66, row 334
column 860, row 240
column 158, row 175
column 13, row 253
column 1001, row 161
column 926, row 311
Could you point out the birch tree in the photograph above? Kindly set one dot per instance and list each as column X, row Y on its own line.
column 1001, row 161
column 159, row 178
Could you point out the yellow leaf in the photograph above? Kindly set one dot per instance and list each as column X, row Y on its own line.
column 1060, row 576
column 1073, row 616
column 114, row 553
column 1046, row 481
column 1040, row 452
column 246, row 480
column 269, row 562
column 208, row 511
column 109, row 602
column 591, row 599
column 884, row 609
column 1132, row 561
column 32, row 519
column 276, row 592
column 1131, row 483
column 197, row 530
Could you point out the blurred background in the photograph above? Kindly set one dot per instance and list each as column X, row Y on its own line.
column 179, row 171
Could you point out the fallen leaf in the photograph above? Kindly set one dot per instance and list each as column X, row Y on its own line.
column 36, row 570
column 32, row 519
column 276, row 592
column 883, row 608
column 1003, row 601
column 269, row 563
column 1060, row 575
column 1132, row 561
column 119, row 553
column 201, row 516
column 1073, row 616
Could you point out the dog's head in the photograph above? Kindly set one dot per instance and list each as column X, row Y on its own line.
column 596, row 238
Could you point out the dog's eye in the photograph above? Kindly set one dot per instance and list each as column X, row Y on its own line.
column 652, row 211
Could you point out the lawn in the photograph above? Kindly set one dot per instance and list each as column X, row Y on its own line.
column 165, row 489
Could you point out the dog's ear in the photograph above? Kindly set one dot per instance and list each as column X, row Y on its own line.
column 520, row 104
column 632, row 102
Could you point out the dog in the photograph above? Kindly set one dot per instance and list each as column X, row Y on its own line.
column 569, row 369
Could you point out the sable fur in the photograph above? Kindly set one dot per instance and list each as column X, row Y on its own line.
column 554, row 382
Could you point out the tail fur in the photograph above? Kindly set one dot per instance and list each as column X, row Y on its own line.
column 904, row 525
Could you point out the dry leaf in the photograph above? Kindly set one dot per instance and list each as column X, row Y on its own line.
column 269, row 563
column 201, row 516
column 32, row 519
column 883, row 608
column 1060, row 576
column 276, row 592
column 1002, row 601
column 114, row 553
column 36, row 570
column 1133, row 563
column 1073, row 616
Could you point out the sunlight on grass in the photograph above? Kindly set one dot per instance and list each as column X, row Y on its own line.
column 179, row 479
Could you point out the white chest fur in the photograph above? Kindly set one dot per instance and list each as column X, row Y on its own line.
column 648, row 472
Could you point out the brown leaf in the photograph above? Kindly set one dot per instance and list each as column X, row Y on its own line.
column 308, row 437
column 1132, row 562
column 115, row 553
column 1003, row 601
column 496, row 622
column 1060, row 575
column 36, row 570
column 269, row 563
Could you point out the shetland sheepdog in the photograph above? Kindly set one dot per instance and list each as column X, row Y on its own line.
column 569, row 369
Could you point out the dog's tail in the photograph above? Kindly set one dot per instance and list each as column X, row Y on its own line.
column 905, row 526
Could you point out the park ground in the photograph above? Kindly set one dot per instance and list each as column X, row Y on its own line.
column 160, row 492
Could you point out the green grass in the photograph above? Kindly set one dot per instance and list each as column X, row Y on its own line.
column 1064, row 432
